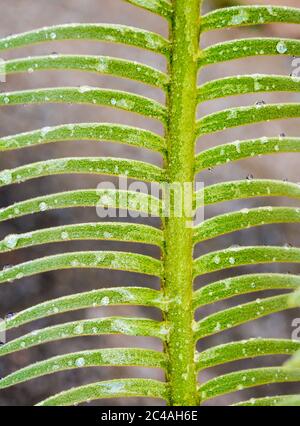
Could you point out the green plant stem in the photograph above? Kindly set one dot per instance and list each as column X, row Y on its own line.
column 178, row 285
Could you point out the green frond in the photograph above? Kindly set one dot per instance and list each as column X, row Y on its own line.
column 94, row 32
column 96, row 358
column 240, row 150
column 89, row 96
column 251, row 188
column 110, row 389
column 95, row 327
column 229, row 352
column 245, row 48
column 271, row 401
column 110, row 231
column 118, row 296
column 97, row 132
column 241, row 256
column 130, row 262
column 234, row 382
column 244, row 116
column 176, row 299
column 255, row 83
column 84, row 165
column 241, row 314
column 245, row 219
column 160, row 7
column 249, row 15
column 87, row 63
column 128, row 200
column 244, row 284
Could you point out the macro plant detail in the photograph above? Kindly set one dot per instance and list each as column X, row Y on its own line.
column 176, row 239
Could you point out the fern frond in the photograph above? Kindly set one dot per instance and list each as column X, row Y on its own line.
column 236, row 190
column 95, row 327
column 236, row 221
column 176, row 300
column 245, row 84
column 83, row 165
column 92, row 299
column 124, row 261
column 160, row 7
column 86, row 231
column 234, row 351
column 241, row 314
column 97, row 358
column 241, row 256
column 244, row 284
column 246, row 379
column 119, row 296
column 244, row 116
column 110, row 389
column 249, row 15
column 271, row 401
column 86, row 131
column 94, row 32
column 94, row 64
column 89, row 96
column 245, row 48
column 135, row 201
column 240, row 150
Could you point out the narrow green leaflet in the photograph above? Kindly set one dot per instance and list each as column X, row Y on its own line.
column 84, row 165
column 96, row 32
column 241, row 314
column 89, row 96
column 244, row 116
column 86, row 131
column 239, row 256
column 244, row 48
column 244, row 284
column 110, row 389
column 133, row 296
column 250, row 188
column 113, row 260
column 95, row 327
column 118, row 296
column 87, row 231
column 239, row 150
column 96, row 64
column 271, row 401
column 96, row 358
column 244, row 219
column 128, row 200
column 161, row 7
column 246, row 379
column 244, row 349
column 249, row 15
column 255, row 83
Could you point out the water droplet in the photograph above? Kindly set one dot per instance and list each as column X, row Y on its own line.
column 11, row 241
column 281, row 47
column 79, row 329
column 43, row 207
column 64, row 235
column 80, row 362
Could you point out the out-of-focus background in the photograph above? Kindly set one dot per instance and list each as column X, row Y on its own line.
column 22, row 15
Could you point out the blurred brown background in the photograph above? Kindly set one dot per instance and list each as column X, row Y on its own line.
column 20, row 15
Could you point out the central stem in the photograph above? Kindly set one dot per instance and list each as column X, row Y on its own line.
column 178, row 286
